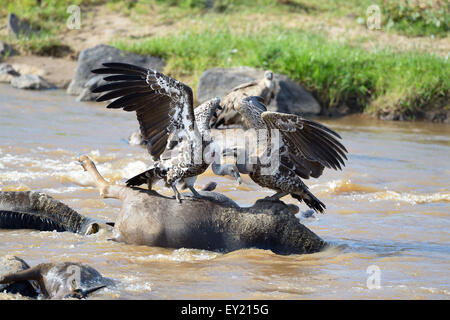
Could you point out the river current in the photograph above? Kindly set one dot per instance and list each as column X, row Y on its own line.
column 387, row 217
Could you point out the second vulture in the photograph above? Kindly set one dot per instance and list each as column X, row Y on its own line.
column 292, row 148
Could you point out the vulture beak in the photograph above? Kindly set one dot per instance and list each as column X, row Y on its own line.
column 268, row 75
column 236, row 175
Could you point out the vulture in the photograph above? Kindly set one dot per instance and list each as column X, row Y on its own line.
column 174, row 135
column 265, row 88
column 294, row 149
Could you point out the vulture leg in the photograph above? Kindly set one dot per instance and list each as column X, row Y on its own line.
column 194, row 192
column 277, row 196
column 176, row 192
column 189, row 183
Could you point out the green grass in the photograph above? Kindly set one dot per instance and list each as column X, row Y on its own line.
column 335, row 73
column 221, row 6
column 338, row 74
column 408, row 17
column 48, row 18
column 417, row 18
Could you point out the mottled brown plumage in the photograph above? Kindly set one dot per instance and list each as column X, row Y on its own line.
column 304, row 149
column 265, row 88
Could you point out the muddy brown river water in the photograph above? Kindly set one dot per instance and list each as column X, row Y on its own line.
column 388, row 210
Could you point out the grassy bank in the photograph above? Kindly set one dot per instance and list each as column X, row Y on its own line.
column 318, row 43
column 46, row 17
column 337, row 74
column 408, row 17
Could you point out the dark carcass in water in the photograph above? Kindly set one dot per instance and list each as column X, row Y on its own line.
column 36, row 210
column 212, row 222
column 51, row 280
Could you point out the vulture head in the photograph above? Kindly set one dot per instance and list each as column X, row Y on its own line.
column 268, row 75
column 255, row 103
column 227, row 169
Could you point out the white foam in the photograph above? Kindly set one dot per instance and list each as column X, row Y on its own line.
column 135, row 284
column 133, row 168
column 346, row 188
column 22, row 168
column 60, row 190
column 436, row 290
column 181, row 255
column 403, row 197
column 139, row 287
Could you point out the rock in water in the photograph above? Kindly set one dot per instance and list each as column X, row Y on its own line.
column 290, row 97
column 93, row 58
column 87, row 94
column 6, row 68
column 7, row 73
column 31, row 81
column 217, row 82
column 293, row 98
column 12, row 264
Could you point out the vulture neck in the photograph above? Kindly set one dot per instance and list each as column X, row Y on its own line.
column 253, row 116
column 269, row 83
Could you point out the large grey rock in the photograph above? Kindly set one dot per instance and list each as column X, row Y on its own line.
column 87, row 94
column 17, row 27
column 6, row 68
column 11, row 264
column 93, row 58
column 31, row 81
column 290, row 97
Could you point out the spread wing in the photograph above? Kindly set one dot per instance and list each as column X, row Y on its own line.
column 307, row 139
column 163, row 105
column 245, row 85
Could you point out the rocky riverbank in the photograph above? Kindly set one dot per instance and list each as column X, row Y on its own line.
column 314, row 81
